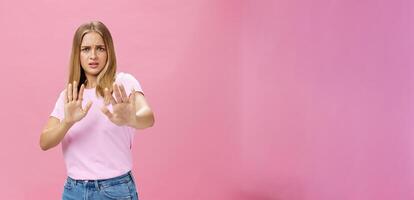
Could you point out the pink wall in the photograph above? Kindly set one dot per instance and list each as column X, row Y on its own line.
column 327, row 100
column 266, row 100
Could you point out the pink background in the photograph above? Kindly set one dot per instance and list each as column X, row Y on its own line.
column 262, row 100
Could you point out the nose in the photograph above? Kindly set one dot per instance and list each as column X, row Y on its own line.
column 93, row 54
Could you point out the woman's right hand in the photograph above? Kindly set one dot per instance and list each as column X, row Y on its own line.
column 73, row 104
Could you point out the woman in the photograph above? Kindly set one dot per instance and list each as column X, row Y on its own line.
column 97, row 136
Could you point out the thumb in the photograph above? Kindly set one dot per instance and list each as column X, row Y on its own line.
column 131, row 96
column 105, row 110
column 88, row 106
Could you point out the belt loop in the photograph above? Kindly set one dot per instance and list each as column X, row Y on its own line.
column 132, row 177
column 96, row 184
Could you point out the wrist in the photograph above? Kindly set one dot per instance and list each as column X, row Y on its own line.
column 66, row 123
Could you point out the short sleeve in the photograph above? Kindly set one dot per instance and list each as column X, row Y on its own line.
column 58, row 110
column 130, row 83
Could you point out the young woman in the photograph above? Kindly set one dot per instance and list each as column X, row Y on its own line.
column 97, row 136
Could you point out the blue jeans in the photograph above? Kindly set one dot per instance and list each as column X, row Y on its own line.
column 120, row 187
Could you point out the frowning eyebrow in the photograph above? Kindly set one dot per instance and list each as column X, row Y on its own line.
column 96, row 46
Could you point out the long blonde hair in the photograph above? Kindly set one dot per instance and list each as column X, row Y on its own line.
column 106, row 77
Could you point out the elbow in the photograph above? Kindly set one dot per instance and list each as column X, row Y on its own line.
column 43, row 144
column 44, row 147
column 152, row 121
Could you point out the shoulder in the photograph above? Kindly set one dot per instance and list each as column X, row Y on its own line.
column 124, row 76
column 62, row 92
column 129, row 81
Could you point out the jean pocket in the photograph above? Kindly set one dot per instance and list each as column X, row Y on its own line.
column 119, row 191
column 67, row 185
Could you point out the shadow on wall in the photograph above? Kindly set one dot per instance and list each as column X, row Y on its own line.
column 254, row 196
column 279, row 188
column 274, row 195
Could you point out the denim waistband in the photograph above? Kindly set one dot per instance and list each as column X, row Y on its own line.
column 100, row 183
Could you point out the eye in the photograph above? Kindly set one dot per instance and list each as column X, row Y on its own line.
column 85, row 49
column 101, row 49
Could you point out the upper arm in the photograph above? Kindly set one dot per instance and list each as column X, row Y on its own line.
column 58, row 111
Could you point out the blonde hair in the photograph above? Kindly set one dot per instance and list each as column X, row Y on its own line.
column 106, row 77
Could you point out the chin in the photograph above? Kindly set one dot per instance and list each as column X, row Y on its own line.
column 94, row 72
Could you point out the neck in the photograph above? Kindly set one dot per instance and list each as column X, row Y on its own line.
column 90, row 82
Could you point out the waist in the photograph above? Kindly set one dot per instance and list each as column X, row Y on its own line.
column 102, row 183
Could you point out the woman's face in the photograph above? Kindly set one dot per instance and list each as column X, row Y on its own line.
column 93, row 53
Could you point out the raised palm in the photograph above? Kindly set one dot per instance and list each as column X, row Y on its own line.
column 73, row 104
column 123, row 107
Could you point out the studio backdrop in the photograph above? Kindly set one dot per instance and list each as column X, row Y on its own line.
column 253, row 100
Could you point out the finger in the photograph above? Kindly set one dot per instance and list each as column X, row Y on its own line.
column 117, row 94
column 123, row 94
column 109, row 98
column 106, row 112
column 87, row 107
column 112, row 100
column 75, row 90
column 106, row 96
column 66, row 94
column 70, row 92
column 82, row 88
column 131, row 97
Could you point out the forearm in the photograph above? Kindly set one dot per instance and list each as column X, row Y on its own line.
column 52, row 137
column 144, row 118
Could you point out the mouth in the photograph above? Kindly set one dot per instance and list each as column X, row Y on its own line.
column 93, row 64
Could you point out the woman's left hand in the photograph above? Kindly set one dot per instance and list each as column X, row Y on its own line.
column 123, row 107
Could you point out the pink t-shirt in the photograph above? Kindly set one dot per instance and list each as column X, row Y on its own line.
column 95, row 148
